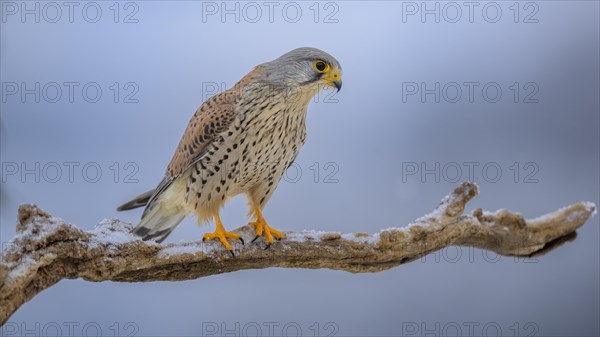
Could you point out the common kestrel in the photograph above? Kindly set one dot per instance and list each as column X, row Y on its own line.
column 239, row 141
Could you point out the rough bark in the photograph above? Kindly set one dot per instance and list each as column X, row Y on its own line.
column 46, row 249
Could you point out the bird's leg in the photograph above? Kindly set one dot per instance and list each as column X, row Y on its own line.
column 263, row 228
column 221, row 234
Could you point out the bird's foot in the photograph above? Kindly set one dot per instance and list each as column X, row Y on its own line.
column 222, row 235
column 262, row 228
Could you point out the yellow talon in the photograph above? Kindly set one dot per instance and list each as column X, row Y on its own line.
column 221, row 234
column 263, row 228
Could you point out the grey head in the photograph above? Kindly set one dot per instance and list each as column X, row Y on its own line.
column 304, row 66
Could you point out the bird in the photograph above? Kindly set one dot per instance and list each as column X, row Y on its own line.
column 240, row 141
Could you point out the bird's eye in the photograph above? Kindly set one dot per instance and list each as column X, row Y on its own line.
column 321, row 66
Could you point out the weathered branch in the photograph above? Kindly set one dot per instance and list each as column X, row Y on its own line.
column 47, row 249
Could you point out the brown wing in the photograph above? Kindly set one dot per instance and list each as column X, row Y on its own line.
column 213, row 117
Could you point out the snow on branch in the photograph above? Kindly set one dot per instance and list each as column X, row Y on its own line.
column 47, row 249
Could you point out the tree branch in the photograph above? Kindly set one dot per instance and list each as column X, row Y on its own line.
column 46, row 249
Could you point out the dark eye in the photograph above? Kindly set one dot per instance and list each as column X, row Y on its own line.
column 321, row 66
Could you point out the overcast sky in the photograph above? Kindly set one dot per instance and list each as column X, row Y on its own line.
column 95, row 97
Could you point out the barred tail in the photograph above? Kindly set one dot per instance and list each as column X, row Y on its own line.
column 163, row 210
column 157, row 226
column 139, row 201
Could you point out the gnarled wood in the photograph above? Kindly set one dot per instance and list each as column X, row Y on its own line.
column 47, row 249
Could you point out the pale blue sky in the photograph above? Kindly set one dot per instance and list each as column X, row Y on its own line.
column 363, row 142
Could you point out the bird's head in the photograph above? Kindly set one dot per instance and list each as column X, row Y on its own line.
column 305, row 68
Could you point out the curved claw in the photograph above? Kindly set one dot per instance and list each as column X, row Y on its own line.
column 232, row 254
column 268, row 246
column 241, row 240
column 262, row 228
column 222, row 235
column 255, row 238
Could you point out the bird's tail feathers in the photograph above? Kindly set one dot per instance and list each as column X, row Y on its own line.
column 155, row 225
column 139, row 201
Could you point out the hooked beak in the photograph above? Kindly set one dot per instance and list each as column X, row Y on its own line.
column 334, row 79
column 338, row 85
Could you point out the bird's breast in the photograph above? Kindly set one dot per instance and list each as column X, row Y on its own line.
column 257, row 148
column 273, row 138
